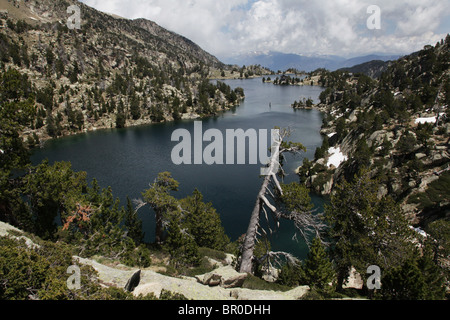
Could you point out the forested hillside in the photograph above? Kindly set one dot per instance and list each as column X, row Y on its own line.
column 393, row 133
column 395, row 126
column 111, row 72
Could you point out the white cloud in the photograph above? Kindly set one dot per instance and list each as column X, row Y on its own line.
column 202, row 21
column 292, row 26
column 422, row 18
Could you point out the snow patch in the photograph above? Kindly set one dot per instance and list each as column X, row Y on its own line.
column 429, row 119
column 420, row 231
column 426, row 120
column 336, row 157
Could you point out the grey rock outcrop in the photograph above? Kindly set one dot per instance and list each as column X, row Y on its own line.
column 151, row 282
column 226, row 277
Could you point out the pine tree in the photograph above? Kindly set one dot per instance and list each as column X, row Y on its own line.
column 120, row 120
column 73, row 75
column 296, row 198
column 366, row 230
column 134, row 108
column 163, row 204
column 433, row 274
column 133, row 224
column 52, row 190
column 51, row 127
column 79, row 120
column 440, row 238
column 318, row 270
column 180, row 244
column 203, row 222
column 50, row 58
column 407, row 143
column 404, row 283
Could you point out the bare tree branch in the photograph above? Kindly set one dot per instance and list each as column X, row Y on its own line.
column 305, row 222
column 138, row 204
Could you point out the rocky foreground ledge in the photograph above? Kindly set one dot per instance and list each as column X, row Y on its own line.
column 220, row 284
column 191, row 287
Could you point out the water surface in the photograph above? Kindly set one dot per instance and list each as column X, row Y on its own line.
column 130, row 159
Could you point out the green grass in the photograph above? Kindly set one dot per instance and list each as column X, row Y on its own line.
column 205, row 265
column 255, row 283
column 211, row 253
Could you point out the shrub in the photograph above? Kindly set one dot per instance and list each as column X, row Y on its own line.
column 139, row 257
column 40, row 272
column 407, row 143
column 22, row 271
column 290, row 275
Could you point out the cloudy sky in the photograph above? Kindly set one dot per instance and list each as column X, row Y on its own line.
column 327, row 27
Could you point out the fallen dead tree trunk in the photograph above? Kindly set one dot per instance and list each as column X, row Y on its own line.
column 304, row 221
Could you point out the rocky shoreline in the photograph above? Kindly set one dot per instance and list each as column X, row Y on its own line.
column 108, row 123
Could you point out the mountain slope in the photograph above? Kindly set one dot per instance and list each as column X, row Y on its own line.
column 396, row 127
column 373, row 68
column 179, row 42
column 112, row 72
column 366, row 59
column 93, row 22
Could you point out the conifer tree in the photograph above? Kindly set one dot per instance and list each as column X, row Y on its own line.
column 366, row 230
column 318, row 270
column 433, row 276
column 52, row 190
column 180, row 244
column 133, row 224
column 134, row 108
column 404, row 283
column 203, row 222
column 163, row 204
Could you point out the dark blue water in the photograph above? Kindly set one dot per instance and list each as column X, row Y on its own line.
column 130, row 159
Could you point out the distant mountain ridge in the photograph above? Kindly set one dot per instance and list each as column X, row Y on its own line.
column 283, row 61
column 179, row 42
column 373, row 68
